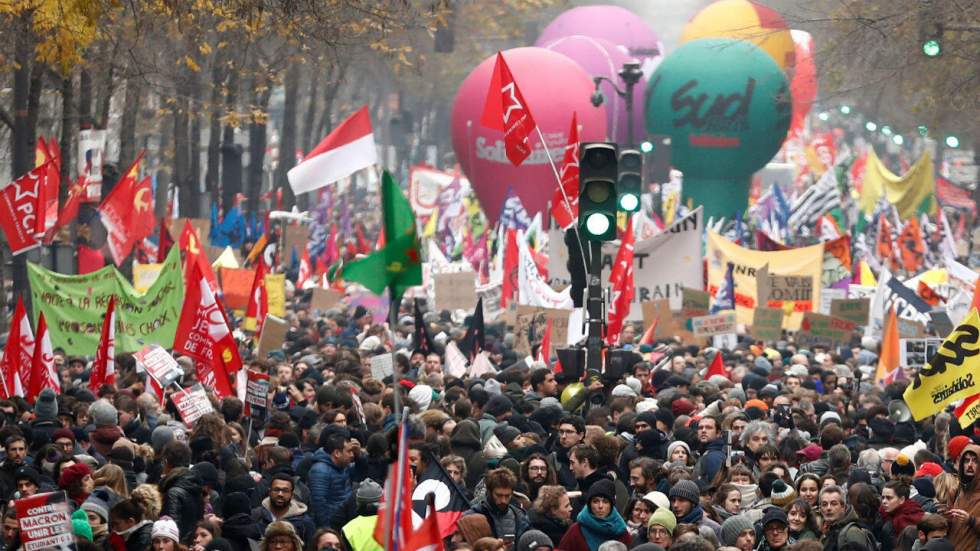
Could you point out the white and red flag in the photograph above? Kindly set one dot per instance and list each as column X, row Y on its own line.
column 44, row 374
column 258, row 301
column 190, row 243
column 621, row 281
column 203, row 334
column 17, row 357
column 104, row 366
column 127, row 213
column 505, row 110
column 347, row 149
column 305, row 270
column 566, row 212
column 22, row 209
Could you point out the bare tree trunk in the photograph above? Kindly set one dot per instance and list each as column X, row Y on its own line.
column 287, row 139
column 231, row 153
column 181, row 147
column 193, row 208
column 130, row 115
column 105, row 103
column 310, row 119
column 256, row 145
column 85, row 100
column 23, row 145
column 211, row 177
column 68, row 125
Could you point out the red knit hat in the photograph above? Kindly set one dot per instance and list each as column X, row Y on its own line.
column 956, row 445
column 72, row 474
column 929, row 469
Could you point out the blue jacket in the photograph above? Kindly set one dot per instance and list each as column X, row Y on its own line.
column 330, row 487
column 711, row 460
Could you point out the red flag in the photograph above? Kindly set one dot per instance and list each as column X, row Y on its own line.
column 647, row 337
column 564, row 213
column 511, row 255
column 394, row 525
column 127, row 213
column 428, row 536
column 506, row 110
column 44, row 374
column 104, row 366
column 911, row 246
column 544, row 354
column 621, row 281
column 362, row 243
column 165, row 241
column 20, row 209
column 190, row 243
column 258, row 300
column 305, row 269
column 203, row 334
column 89, row 260
column 47, row 199
column 885, row 249
column 19, row 354
column 717, row 367
column 381, row 239
column 332, row 252
column 76, row 194
column 929, row 294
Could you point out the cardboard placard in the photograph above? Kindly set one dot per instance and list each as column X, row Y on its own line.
column 275, row 288
column 45, row 522
column 324, row 299
column 763, row 285
column 851, row 309
column 695, row 303
column 294, row 237
column 528, row 318
column 715, row 324
column 256, row 394
column 818, row 329
column 273, row 334
column 236, row 284
column 159, row 364
column 767, row 324
column 455, row 291
column 192, row 403
column 658, row 311
column 382, row 366
column 790, row 288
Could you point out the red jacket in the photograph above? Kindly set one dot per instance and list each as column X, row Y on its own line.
column 574, row 540
column 906, row 514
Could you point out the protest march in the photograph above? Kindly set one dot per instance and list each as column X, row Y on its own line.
column 636, row 296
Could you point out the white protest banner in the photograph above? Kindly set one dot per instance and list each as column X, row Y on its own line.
column 828, row 295
column 45, row 522
column 455, row 360
column 491, row 295
column 193, row 403
column 382, row 366
column 909, row 307
column 532, row 289
column 662, row 265
column 424, row 186
column 455, row 291
column 159, row 364
column 716, row 324
column 727, row 341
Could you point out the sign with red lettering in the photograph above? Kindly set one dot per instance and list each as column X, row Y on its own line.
column 192, row 403
column 818, row 329
column 159, row 364
column 45, row 522
column 257, row 394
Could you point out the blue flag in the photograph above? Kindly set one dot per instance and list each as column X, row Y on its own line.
column 231, row 230
column 725, row 298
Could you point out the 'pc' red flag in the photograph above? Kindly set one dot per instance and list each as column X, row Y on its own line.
column 44, row 374
column 621, row 280
column 203, row 334
column 17, row 357
column 104, row 366
column 506, row 110
column 565, row 213
column 20, row 209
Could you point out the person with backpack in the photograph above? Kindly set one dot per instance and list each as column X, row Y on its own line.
column 842, row 524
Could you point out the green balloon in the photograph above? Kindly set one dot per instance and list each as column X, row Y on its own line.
column 726, row 106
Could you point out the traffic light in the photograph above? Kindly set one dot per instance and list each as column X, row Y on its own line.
column 597, row 191
column 930, row 29
column 629, row 186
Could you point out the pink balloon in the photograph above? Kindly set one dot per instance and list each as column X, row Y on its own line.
column 803, row 86
column 554, row 87
column 603, row 58
column 613, row 23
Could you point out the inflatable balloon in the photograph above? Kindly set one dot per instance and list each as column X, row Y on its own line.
column 744, row 20
column 553, row 87
column 726, row 106
column 613, row 23
column 803, row 85
column 600, row 57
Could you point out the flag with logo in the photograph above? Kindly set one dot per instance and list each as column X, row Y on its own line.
column 258, row 301
column 505, row 110
column 20, row 210
column 952, row 374
column 104, row 365
column 452, row 502
column 19, row 353
column 820, row 198
column 725, row 297
column 621, row 283
column 564, row 201
column 127, row 213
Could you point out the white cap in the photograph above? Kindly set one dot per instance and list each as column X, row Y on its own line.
column 623, row 390
column 658, row 499
column 650, row 404
column 830, row 415
column 165, row 528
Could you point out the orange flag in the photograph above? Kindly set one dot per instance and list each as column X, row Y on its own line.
column 888, row 361
column 911, row 246
column 647, row 337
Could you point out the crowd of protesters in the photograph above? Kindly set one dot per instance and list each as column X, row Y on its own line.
column 793, row 449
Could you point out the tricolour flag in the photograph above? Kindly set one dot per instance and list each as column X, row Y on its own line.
column 104, row 366
column 348, row 148
column 506, row 110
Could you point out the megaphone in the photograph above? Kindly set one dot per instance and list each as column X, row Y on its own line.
column 899, row 412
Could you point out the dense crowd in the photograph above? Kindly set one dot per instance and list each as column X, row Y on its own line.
column 792, row 449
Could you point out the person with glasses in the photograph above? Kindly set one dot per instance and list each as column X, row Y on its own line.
column 281, row 506
column 775, row 531
column 536, row 472
column 571, row 431
column 660, row 527
column 281, row 536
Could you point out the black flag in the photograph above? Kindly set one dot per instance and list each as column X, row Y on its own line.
column 475, row 339
column 421, row 339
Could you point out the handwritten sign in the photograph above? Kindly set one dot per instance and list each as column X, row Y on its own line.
column 851, row 309
column 455, row 291
column 159, row 364
column 192, row 403
column 694, row 303
column 382, row 366
column 790, row 288
column 767, row 324
column 818, row 329
column 45, row 522
column 716, row 324
column 529, row 321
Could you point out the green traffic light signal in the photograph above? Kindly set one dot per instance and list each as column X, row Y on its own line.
column 629, row 184
column 598, row 170
column 932, row 48
column 646, row 147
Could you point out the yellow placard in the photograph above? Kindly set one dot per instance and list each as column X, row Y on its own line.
column 144, row 275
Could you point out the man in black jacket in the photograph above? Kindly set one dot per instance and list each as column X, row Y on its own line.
column 181, row 489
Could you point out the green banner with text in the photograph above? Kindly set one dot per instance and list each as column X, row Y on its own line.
column 74, row 307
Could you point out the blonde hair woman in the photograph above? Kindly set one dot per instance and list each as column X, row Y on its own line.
column 112, row 477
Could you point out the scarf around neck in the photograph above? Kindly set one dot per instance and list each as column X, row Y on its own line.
column 600, row 530
column 694, row 517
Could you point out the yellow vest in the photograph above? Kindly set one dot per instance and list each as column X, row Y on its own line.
column 360, row 534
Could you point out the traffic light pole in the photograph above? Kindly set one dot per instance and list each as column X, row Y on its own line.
column 594, row 309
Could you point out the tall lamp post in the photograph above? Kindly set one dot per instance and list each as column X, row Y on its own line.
column 631, row 74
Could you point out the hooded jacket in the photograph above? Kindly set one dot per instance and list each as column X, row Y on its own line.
column 182, row 500
column 330, row 487
column 241, row 531
column 966, row 534
column 296, row 515
column 906, row 514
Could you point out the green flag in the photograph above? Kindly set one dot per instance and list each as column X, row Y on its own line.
column 397, row 266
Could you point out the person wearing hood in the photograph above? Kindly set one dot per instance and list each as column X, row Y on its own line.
column 597, row 522
column 897, row 509
column 685, row 503
column 507, row 521
column 281, row 506
column 465, row 442
column 964, row 515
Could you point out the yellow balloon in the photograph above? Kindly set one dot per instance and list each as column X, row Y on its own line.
column 744, row 20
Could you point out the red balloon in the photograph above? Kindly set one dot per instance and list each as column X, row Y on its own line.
column 554, row 87
column 803, row 87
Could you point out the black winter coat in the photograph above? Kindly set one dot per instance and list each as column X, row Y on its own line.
column 183, row 500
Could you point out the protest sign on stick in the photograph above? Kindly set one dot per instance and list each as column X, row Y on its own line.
column 45, row 522
column 192, row 403
column 159, row 364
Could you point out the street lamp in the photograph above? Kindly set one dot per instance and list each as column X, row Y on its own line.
column 631, row 74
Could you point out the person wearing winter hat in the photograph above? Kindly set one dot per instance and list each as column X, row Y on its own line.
column 903, row 467
column 165, row 535
column 359, row 532
column 28, row 480
column 738, row 531
column 421, row 395
column 107, row 430
column 80, row 526
column 597, row 522
column 281, row 536
column 77, row 481
column 660, row 528
column 535, row 540
column 45, row 421
column 955, row 447
column 775, row 531
column 238, row 526
column 96, row 508
column 685, row 503
column 781, row 494
column 679, row 452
